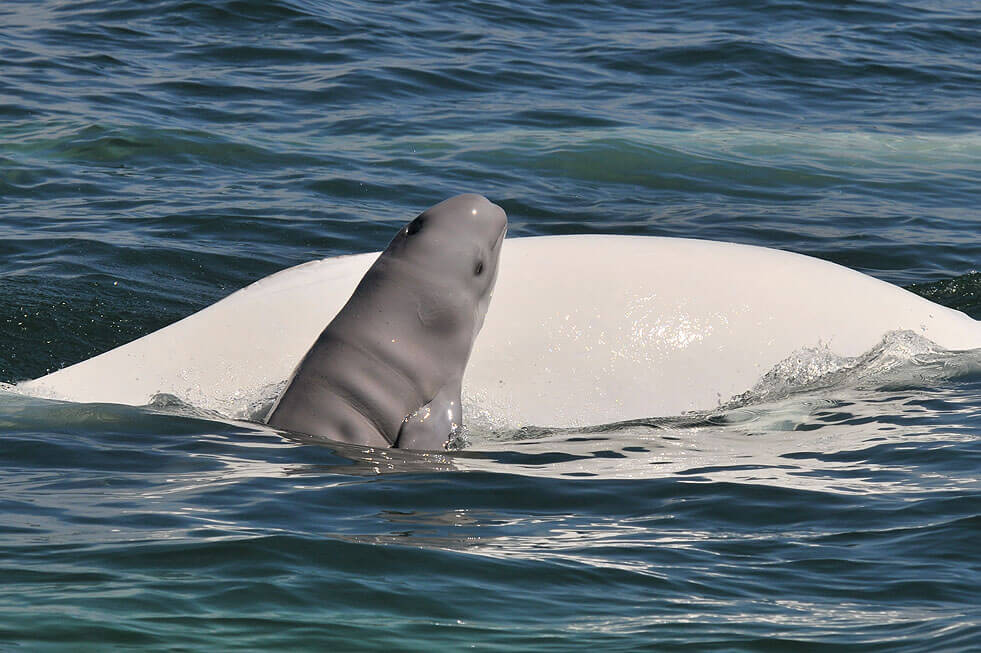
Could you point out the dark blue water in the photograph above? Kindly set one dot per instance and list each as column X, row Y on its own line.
column 155, row 156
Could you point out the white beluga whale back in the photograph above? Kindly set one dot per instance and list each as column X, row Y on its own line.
column 589, row 330
column 582, row 330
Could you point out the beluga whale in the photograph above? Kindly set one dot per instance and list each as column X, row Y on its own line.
column 387, row 370
column 583, row 330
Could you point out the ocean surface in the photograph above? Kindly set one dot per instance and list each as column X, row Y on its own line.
column 156, row 156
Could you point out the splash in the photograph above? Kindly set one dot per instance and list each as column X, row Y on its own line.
column 900, row 358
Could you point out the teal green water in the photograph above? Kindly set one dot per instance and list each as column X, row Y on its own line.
column 156, row 156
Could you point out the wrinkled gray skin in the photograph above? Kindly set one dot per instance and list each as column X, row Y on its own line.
column 386, row 372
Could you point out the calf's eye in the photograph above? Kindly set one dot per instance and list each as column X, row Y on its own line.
column 415, row 226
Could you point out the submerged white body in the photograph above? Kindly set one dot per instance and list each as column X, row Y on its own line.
column 582, row 330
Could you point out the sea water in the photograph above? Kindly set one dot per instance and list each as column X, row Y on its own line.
column 155, row 156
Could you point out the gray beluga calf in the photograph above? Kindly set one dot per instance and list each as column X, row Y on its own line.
column 387, row 370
